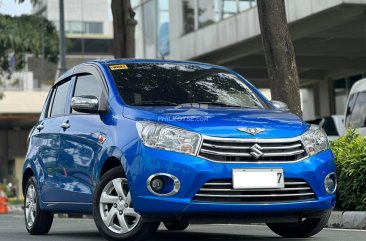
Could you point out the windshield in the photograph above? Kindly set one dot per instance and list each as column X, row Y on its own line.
column 181, row 84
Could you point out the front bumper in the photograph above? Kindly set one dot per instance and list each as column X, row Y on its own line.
column 193, row 172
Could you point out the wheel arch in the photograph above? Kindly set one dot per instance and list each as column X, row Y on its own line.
column 109, row 158
column 108, row 164
column 27, row 174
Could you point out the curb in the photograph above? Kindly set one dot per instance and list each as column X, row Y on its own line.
column 347, row 220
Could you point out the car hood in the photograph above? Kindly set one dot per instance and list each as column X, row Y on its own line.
column 223, row 121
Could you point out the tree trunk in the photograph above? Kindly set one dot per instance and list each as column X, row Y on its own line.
column 279, row 53
column 123, row 29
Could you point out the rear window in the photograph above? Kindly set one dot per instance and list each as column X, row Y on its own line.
column 356, row 111
column 177, row 84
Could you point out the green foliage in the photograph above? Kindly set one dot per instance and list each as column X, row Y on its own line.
column 26, row 34
column 4, row 187
column 350, row 155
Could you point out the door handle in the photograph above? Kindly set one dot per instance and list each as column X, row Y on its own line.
column 65, row 125
column 40, row 127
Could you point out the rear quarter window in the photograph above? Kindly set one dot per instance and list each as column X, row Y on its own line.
column 59, row 101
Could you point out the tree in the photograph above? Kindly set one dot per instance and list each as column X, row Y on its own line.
column 123, row 29
column 26, row 34
column 279, row 53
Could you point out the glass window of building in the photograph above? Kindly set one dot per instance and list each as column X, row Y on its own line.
column 77, row 27
column 150, row 30
column 139, row 42
column 134, row 3
column 206, row 13
column 163, row 27
column 94, row 27
column 188, row 16
column 246, row 4
column 226, row 8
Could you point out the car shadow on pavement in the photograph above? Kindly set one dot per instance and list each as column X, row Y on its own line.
column 200, row 236
column 77, row 235
column 171, row 235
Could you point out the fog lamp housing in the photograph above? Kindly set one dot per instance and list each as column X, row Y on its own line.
column 330, row 183
column 163, row 184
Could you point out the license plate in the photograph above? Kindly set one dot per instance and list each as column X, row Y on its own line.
column 258, row 178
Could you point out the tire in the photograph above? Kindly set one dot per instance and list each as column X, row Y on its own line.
column 303, row 229
column 114, row 215
column 37, row 221
column 177, row 225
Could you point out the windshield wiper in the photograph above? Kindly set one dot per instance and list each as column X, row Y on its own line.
column 157, row 103
column 213, row 103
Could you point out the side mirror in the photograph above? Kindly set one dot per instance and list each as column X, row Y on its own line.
column 88, row 104
column 280, row 105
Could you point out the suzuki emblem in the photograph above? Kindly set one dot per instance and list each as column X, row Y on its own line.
column 256, row 151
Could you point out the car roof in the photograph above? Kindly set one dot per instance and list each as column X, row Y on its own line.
column 359, row 86
column 143, row 61
column 135, row 61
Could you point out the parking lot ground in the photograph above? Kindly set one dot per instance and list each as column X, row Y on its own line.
column 12, row 229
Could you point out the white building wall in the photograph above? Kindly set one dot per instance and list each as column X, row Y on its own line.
column 82, row 10
column 241, row 27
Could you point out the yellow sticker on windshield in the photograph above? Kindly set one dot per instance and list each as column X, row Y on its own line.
column 118, row 66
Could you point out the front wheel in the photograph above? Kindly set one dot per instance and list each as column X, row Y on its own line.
column 303, row 229
column 113, row 212
column 37, row 221
column 177, row 225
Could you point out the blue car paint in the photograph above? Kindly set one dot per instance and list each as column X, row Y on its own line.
column 69, row 188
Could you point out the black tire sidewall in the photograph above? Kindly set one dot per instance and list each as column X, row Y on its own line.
column 307, row 228
column 140, row 232
column 43, row 219
column 177, row 225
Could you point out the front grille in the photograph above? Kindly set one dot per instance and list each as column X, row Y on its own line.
column 221, row 190
column 252, row 150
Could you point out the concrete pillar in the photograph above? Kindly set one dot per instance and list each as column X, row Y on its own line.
column 324, row 97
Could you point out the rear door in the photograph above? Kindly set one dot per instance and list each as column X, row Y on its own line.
column 80, row 144
column 46, row 142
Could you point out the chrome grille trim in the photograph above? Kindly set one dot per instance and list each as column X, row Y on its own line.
column 221, row 190
column 239, row 150
column 248, row 155
column 251, row 196
column 267, row 189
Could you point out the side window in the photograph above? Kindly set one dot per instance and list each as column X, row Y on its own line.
column 59, row 101
column 358, row 114
column 87, row 85
column 350, row 106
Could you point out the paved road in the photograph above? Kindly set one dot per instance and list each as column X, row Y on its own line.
column 12, row 229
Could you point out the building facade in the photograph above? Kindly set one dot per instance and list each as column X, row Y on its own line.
column 328, row 36
column 88, row 32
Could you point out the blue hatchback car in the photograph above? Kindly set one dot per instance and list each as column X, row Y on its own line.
column 139, row 142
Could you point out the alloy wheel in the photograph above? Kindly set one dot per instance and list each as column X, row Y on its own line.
column 30, row 205
column 116, row 207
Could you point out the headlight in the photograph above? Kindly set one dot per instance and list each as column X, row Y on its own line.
column 315, row 140
column 168, row 138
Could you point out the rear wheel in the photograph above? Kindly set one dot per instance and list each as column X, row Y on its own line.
column 113, row 212
column 177, row 225
column 303, row 229
column 37, row 221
